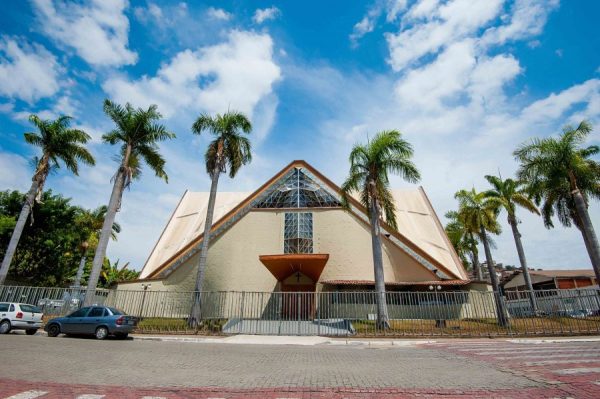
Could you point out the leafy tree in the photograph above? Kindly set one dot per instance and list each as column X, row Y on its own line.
column 479, row 215
column 228, row 151
column 48, row 249
column 7, row 223
column 464, row 242
column 508, row 195
column 137, row 131
column 112, row 273
column 563, row 177
column 91, row 222
column 370, row 167
column 59, row 144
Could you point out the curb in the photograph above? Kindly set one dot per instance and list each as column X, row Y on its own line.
column 317, row 340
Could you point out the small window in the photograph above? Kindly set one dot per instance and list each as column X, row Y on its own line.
column 79, row 313
column 116, row 312
column 12, row 308
column 30, row 308
column 96, row 312
column 3, row 307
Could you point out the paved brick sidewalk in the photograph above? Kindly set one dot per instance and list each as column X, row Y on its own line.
column 15, row 389
column 89, row 369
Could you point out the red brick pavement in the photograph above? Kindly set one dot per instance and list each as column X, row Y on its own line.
column 581, row 385
column 573, row 389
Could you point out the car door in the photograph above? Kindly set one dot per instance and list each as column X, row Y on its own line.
column 93, row 319
column 74, row 323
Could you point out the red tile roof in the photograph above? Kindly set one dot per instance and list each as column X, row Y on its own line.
column 397, row 283
column 563, row 273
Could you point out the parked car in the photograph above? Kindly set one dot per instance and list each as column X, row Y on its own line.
column 100, row 321
column 19, row 316
column 69, row 302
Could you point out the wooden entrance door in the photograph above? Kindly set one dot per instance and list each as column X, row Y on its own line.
column 298, row 301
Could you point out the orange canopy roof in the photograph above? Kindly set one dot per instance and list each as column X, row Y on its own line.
column 283, row 266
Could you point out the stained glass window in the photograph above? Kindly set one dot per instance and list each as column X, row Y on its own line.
column 298, row 233
column 298, row 190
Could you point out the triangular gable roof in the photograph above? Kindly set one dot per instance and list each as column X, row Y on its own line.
column 444, row 267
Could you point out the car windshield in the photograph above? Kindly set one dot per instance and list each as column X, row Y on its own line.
column 115, row 312
column 30, row 308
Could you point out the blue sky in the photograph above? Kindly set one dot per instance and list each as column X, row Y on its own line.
column 464, row 81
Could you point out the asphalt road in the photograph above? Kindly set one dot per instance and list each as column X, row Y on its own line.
column 39, row 362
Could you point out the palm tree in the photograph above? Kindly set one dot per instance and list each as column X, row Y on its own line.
column 370, row 166
column 508, row 194
column 137, row 132
column 464, row 242
column 479, row 214
column 227, row 152
column 561, row 174
column 59, row 143
column 92, row 221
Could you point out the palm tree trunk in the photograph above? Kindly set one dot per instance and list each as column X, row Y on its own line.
column 16, row 234
column 476, row 266
column 196, row 313
column 588, row 232
column 80, row 270
column 105, row 233
column 383, row 321
column 517, row 235
column 500, row 311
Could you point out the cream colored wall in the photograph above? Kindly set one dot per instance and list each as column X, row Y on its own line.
column 233, row 263
column 347, row 240
column 155, row 285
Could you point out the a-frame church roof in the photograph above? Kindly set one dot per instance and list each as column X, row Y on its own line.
column 420, row 233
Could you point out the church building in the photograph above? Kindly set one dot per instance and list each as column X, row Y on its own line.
column 292, row 234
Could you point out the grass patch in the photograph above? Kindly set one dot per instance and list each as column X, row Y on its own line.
column 179, row 326
column 480, row 327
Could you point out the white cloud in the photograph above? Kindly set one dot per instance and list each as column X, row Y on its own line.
column 218, row 13
column 448, row 23
column 422, row 9
column 15, row 173
column 236, row 74
column 64, row 105
column 97, row 30
column 27, row 72
column 556, row 105
column 265, row 14
column 527, row 19
column 455, row 76
column 392, row 8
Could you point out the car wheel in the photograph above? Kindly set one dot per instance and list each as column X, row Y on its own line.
column 5, row 327
column 31, row 331
column 101, row 332
column 122, row 335
column 53, row 330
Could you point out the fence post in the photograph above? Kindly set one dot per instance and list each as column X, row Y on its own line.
column 242, row 311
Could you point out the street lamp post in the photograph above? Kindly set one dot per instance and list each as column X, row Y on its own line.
column 145, row 288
